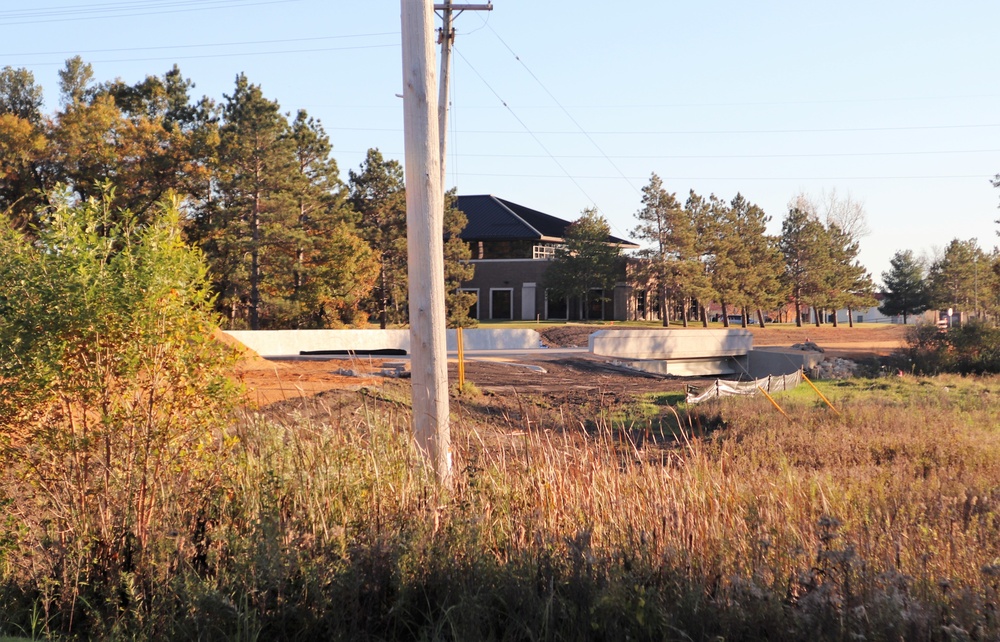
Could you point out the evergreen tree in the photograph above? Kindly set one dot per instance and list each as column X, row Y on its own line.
column 904, row 290
column 805, row 246
column 457, row 268
column 744, row 262
column 954, row 280
column 849, row 283
column 378, row 196
column 332, row 269
column 770, row 291
column 587, row 262
column 256, row 228
column 701, row 212
column 747, row 262
column 672, row 262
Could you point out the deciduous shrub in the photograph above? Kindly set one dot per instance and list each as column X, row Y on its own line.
column 112, row 387
column 971, row 348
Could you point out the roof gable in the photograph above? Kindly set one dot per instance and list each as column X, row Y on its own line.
column 493, row 218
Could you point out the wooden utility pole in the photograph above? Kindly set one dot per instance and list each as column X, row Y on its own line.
column 446, row 37
column 425, row 239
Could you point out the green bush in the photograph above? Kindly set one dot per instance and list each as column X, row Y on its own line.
column 971, row 348
column 113, row 386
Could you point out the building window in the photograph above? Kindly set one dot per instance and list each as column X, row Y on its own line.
column 595, row 304
column 556, row 307
column 640, row 304
column 502, row 303
column 506, row 250
column 543, row 252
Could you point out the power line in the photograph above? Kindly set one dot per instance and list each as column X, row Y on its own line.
column 220, row 55
column 754, row 178
column 196, row 46
column 727, row 156
column 66, row 13
column 528, row 130
column 564, row 110
column 703, row 132
column 774, row 103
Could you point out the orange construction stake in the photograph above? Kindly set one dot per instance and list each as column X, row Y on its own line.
column 820, row 394
column 775, row 403
column 460, row 344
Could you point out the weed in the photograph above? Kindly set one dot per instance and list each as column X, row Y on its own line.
column 324, row 524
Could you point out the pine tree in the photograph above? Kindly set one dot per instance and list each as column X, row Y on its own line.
column 378, row 196
column 587, row 262
column 257, row 221
column 904, row 289
column 331, row 269
column 954, row 279
column 849, row 283
column 457, row 268
column 804, row 244
column 672, row 262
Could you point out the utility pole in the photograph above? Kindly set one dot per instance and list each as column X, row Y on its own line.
column 425, row 240
column 424, row 173
column 446, row 38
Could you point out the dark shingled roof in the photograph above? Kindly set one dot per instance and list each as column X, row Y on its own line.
column 492, row 218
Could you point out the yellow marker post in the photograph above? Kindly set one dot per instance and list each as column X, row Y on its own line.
column 461, row 358
column 811, row 384
column 774, row 403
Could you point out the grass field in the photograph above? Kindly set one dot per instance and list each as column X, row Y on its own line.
column 880, row 523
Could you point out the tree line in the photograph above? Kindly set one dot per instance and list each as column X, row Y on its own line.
column 709, row 250
column 288, row 243
column 962, row 277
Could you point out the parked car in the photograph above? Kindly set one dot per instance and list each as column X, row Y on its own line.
column 737, row 319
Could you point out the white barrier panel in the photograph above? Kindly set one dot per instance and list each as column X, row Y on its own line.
column 496, row 339
column 283, row 343
column 673, row 343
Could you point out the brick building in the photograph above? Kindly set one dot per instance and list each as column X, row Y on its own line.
column 512, row 246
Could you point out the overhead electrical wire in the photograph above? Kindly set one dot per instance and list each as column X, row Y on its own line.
column 732, row 156
column 129, row 9
column 760, row 178
column 526, row 128
column 682, row 132
column 242, row 43
column 224, row 55
column 564, row 110
column 589, row 135
column 769, row 103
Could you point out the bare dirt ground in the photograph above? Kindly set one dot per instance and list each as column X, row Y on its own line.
column 567, row 379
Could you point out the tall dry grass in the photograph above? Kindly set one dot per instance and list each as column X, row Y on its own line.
column 880, row 524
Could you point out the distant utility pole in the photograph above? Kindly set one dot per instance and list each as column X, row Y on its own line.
column 446, row 37
column 425, row 240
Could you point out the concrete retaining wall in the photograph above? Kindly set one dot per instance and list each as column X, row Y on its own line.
column 278, row 343
column 673, row 343
column 691, row 367
column 781, row 361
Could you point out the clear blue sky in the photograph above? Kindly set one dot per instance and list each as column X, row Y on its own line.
column 562, row 105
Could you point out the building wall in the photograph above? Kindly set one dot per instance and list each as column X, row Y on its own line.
column 520, row 276
column 524, row 280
